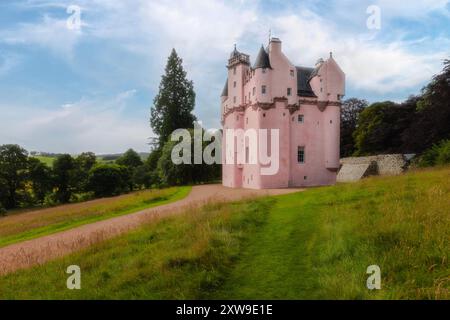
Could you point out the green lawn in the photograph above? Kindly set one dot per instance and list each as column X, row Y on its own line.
column 29, row 225
column 314, row 244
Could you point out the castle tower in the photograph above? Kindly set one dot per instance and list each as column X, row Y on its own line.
column 301, row 104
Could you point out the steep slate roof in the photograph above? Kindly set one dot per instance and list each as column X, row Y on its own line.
column 305, row 74
column 225, row 89
column 262, row 60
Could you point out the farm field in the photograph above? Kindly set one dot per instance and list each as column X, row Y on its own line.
column 311, row 245
column 33, row 224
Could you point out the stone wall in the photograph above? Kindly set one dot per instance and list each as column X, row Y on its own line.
column 356, row 168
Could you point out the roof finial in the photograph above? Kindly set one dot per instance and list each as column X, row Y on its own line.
column 235, row 47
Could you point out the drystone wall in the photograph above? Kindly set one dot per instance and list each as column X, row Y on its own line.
column 356, row 168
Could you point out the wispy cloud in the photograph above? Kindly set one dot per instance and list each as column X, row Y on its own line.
column 95, row 124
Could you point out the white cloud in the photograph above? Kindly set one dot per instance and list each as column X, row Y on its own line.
column 89, row 124
column 368, row 64
column 49, row 33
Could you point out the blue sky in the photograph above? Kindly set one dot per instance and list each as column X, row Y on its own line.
column 90, row 89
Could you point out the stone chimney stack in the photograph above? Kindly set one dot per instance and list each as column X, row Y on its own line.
column 275, row 46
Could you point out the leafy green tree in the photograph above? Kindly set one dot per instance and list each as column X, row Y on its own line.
column 431, row 121
column 40, row 176
column 181, row 174
column 170, row 173
column 175, row 101
column 350, row 111
column 13, row 166
column 130, row 159
column 381, row 126
column 65, row 178
column 84, row 163
column 108, row 179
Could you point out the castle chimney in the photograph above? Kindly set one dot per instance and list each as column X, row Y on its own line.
column 275, row 45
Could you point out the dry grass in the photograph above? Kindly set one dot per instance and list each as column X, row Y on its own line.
column 37, row 223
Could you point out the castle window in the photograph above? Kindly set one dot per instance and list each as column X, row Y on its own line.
column 247, row 154
column 331, row 121
column 289, row 91
column 305, row 178
column 301, row 118
column 234, row 84
column 292, row 73
column 301, row 155
column 234, row 70
column 254, row 90
column 264, row 70
column 263, row 89
column 246, row 120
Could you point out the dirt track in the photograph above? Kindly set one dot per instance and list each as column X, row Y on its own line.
column 40, row 250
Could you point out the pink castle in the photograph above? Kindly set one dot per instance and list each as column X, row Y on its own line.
column 302, row 103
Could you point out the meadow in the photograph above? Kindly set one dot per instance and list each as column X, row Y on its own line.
column 315, row 244
column 28, row 225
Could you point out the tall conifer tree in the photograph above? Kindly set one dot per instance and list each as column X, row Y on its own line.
column 175, row 101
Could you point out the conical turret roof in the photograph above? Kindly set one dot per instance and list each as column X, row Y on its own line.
column 262, row 60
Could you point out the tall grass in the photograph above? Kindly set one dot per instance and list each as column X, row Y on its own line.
column 182, row 257
column 37, row 223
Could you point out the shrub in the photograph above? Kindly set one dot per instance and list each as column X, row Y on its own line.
column 439, row 154
column 108, row 179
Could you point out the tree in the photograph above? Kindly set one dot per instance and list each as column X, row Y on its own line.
column 84, row 163
column 381, row 125
column 108, row 179
column 432, row 115
column 130, row 159
column 64, row 170
column 170, row 173
column 351, row 108
column 13, row 165
column 175, row 101
column 40, row 176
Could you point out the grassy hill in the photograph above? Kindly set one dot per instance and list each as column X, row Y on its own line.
column 314, row 244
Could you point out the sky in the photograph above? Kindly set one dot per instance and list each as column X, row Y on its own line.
column 69, row 85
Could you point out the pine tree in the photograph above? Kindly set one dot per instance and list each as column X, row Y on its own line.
column 175, row 101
